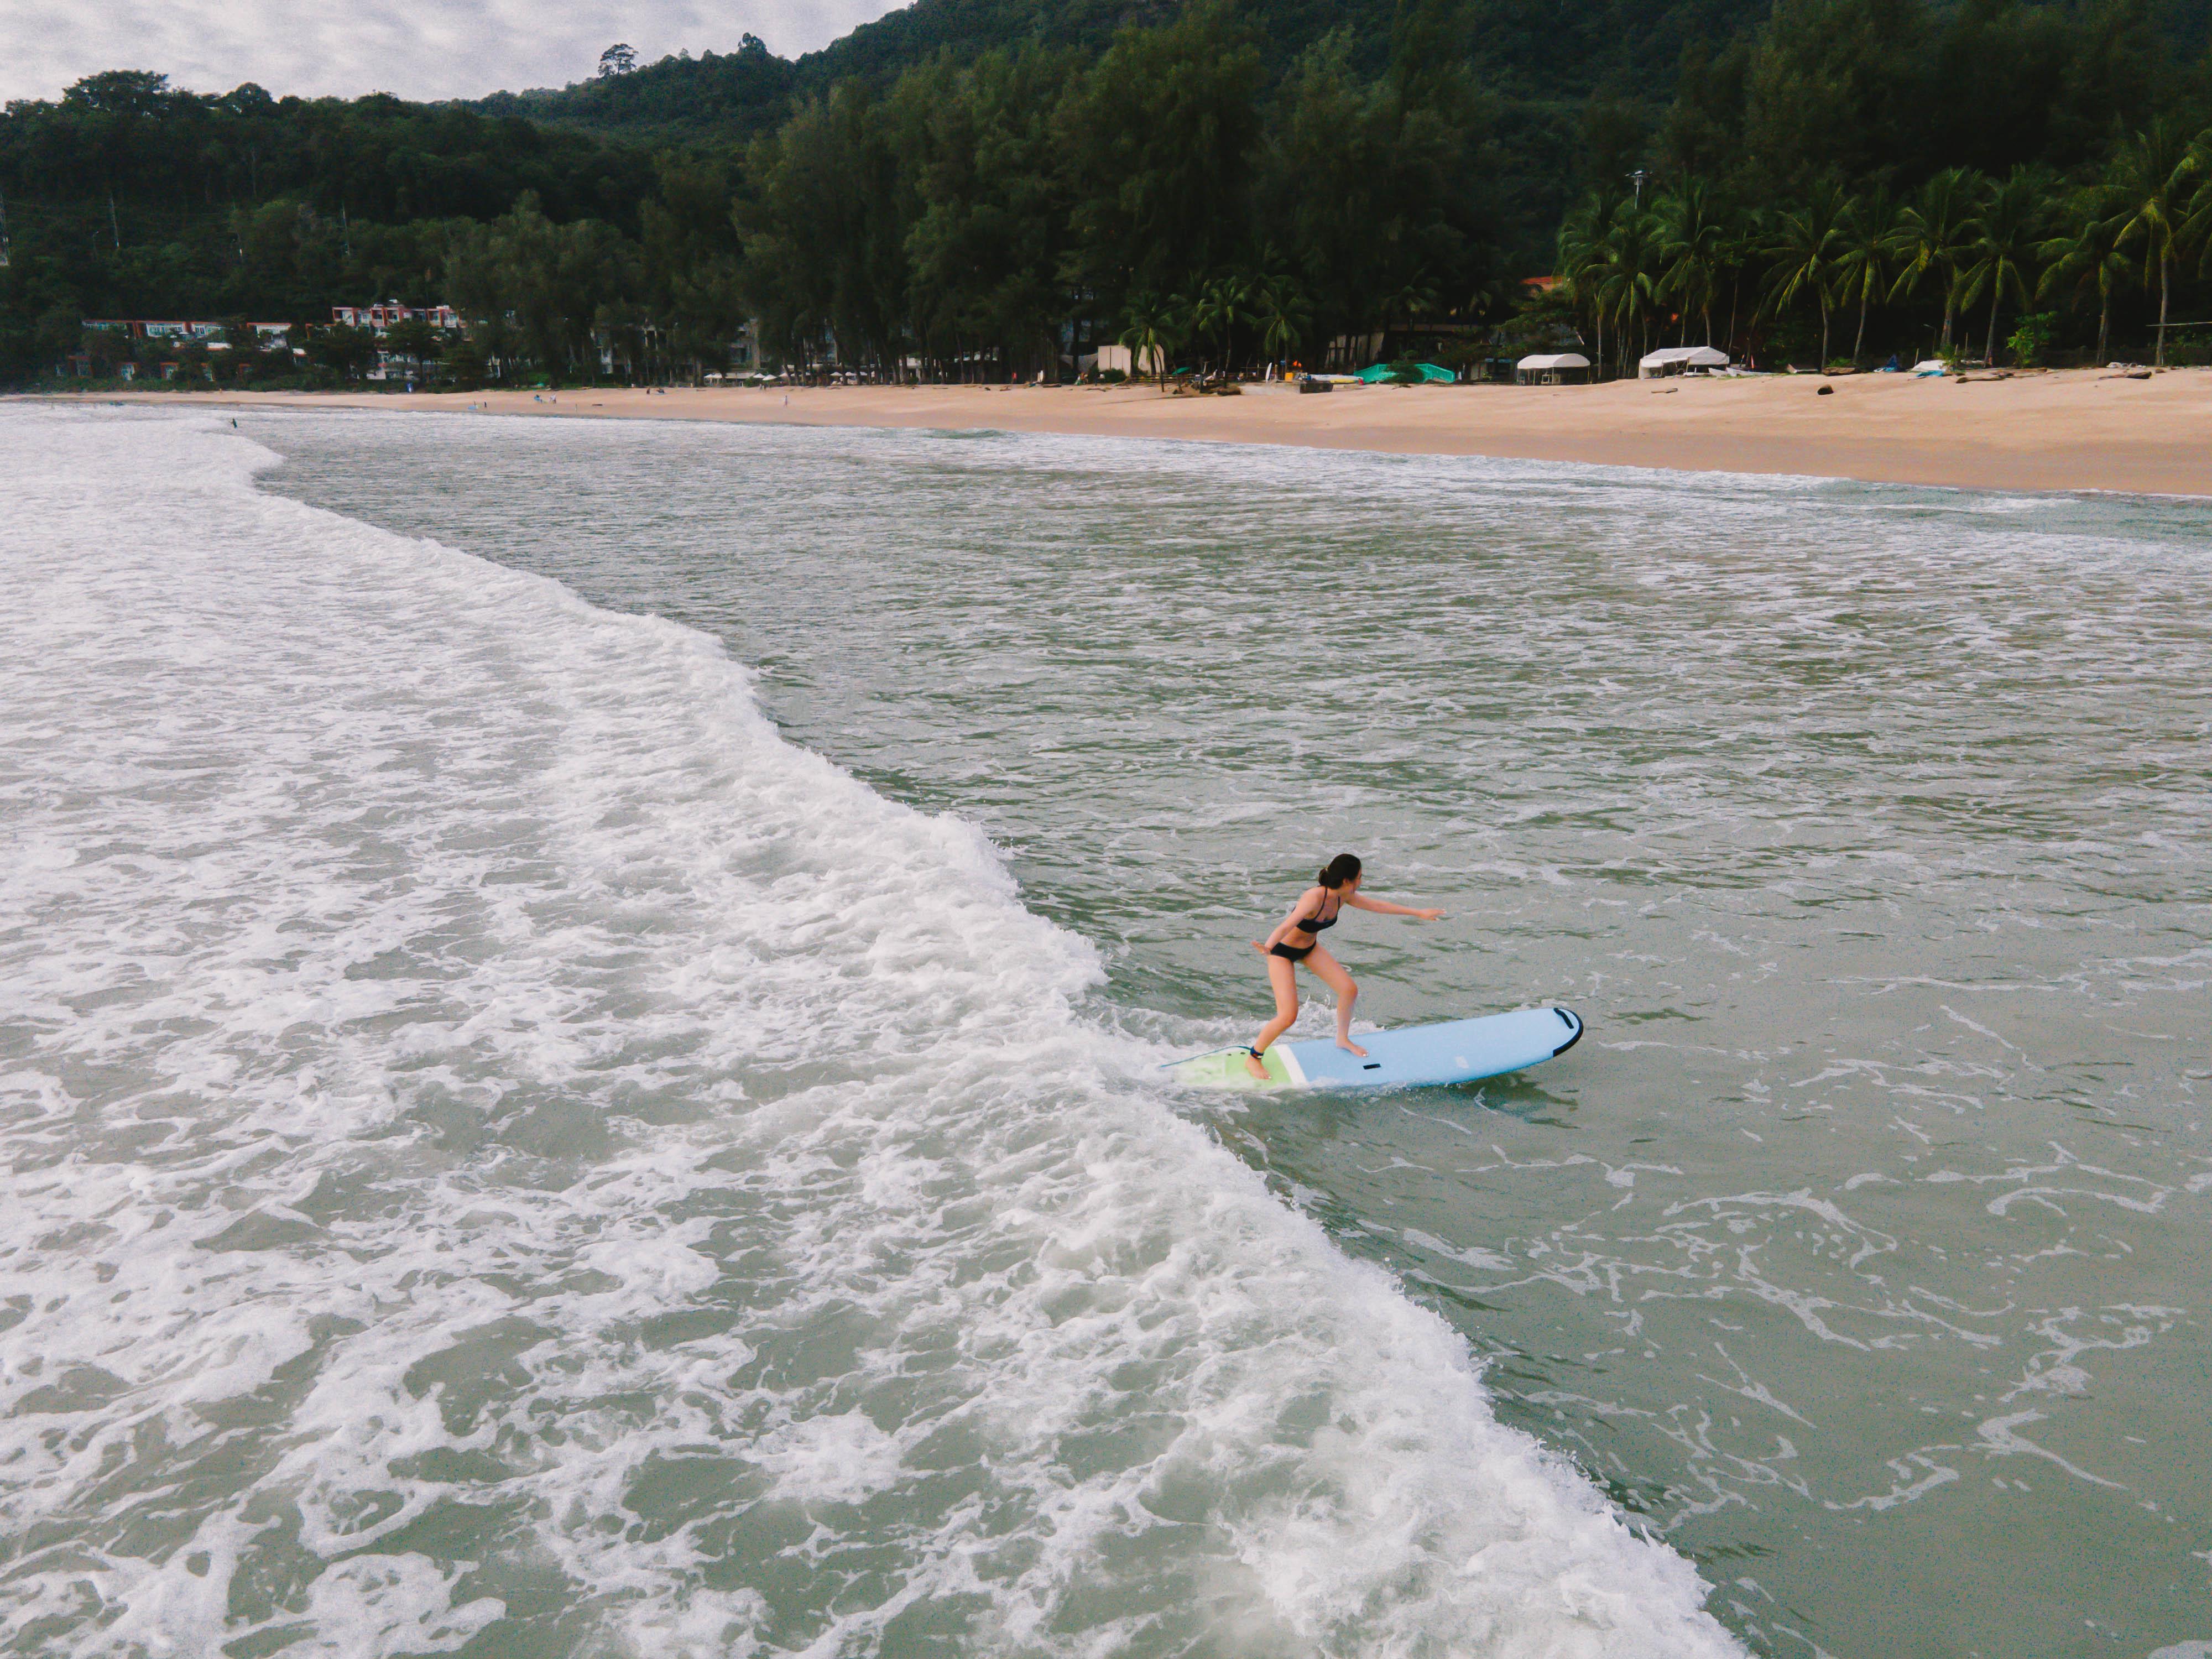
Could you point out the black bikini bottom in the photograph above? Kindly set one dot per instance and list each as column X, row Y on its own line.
column 1294, row 952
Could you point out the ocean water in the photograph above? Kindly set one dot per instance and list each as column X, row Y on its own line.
column 578, row 1067
column 508, row 1154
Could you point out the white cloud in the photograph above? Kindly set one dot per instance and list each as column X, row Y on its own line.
column 415, row 48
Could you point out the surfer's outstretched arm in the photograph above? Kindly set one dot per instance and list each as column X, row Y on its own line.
column 1384, row 907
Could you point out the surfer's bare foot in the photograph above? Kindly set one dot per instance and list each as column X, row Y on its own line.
column 1256, row 1065
column 1351, row 1048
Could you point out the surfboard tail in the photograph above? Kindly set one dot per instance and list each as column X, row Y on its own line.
column 1225, row 1068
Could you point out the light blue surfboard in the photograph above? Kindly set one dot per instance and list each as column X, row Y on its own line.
column 1413, row 1056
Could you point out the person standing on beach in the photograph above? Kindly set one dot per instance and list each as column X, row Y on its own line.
column 1297, row 938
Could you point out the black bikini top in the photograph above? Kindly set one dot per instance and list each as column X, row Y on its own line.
column 1318, row 924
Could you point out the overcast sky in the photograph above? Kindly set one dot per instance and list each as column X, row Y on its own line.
column 415, row 48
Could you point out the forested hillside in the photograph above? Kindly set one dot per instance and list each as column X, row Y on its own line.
column 1536, row 61
column 1539, row 50
column 983, row 187
column 129, row 198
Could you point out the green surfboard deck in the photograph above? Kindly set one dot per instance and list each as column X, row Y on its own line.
column 1225, row 1068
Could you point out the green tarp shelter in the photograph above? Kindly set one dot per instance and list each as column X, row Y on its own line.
column 1430, row 373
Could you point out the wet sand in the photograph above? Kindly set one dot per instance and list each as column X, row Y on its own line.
column 2073, row 429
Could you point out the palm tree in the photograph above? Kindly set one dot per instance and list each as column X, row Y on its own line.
column 2087, row 257
column 1149, row 329
column 1582, row 235
column 2195, row 230
column 1281, row 311
column 1807, row 249
column 1222, row 304
column 1934, row 235
column 1493, row 296
column 2155, row 174
column 1870, row 243
column 1628, row 274
column 2006, row 246
column 1694, row 240
column 1746, row 234
column 1413, row 296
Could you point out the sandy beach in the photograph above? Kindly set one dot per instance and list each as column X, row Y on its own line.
column 2072, row 429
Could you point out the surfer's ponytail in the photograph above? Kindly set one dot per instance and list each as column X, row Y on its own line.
column 1339, row 869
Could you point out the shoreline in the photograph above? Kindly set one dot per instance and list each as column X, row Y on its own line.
column 2068, row 430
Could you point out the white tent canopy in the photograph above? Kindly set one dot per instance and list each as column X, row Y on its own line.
column 1679, row 360
column 1551, row 369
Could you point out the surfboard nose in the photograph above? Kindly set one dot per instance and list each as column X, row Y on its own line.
column 1573, row 1022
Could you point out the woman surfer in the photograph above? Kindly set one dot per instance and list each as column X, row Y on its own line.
column 1296, row 939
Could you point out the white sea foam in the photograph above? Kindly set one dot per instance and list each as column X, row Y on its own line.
column 497, row 1137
